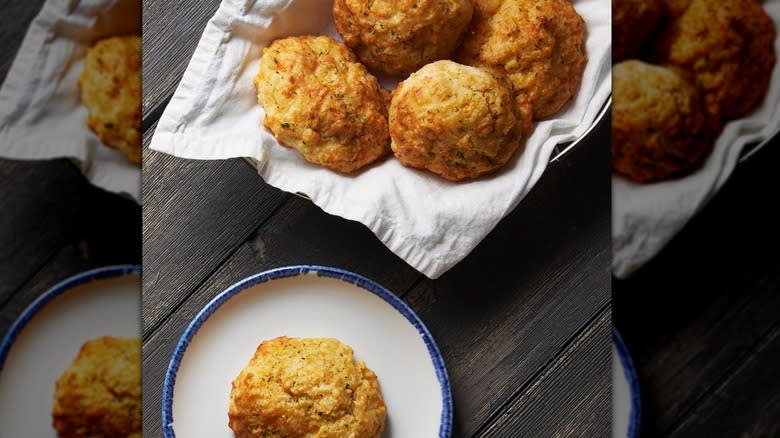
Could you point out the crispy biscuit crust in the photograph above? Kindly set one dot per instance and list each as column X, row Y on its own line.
column 457, row 121
column 306, row 387
column 633, row 22
column 319, row 100
column 728, row 46
column 537, row 44
column 675, row 8
column 400, row 36
column 659, row 126
column 111, row 91
column 99, row 395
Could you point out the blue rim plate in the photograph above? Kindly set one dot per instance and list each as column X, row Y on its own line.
column 445, row 425
column 629, row 373
column 54, row 292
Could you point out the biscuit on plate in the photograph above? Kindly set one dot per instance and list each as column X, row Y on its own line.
column 306, row 387
column 537, row 44
column 111, row 90
column 319, row 100
column 728, row 46
column 400, row 36
column 99, row 395
column 457, row 121
column 659, row 126
column 633, row 22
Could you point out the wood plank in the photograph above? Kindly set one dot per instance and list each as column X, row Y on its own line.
column 196, row 213
column 693, row 314
column 572, row 397
column 171, row 31
column 61, row 225
column 52, row 204
column 497, row 332
column 746, row 404
column 15, row 20
column 72, row 259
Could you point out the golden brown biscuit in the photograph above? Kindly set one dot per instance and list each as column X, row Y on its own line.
column 319, row 100
column 633, row 22
column 659, row 126
column 456, row 121
column 728, row 46
column 675, row 8
column 400, row 36
column 99, row 395
column 111, row 91
column 537, row 44
column 306, row 387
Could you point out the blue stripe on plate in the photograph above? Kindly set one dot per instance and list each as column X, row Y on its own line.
column 445, row 429
column 55, row 291
column 633, row 384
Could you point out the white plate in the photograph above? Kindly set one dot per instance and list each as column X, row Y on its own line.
column 626, row 408
column 46, row 338
column 307, row 301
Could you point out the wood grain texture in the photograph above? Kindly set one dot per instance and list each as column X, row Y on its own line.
column 72, row 259
column 45, row 204
column 171, row 31
column 693, row 315
column 571, row 397
column 56, row 226
column 53, row 205
column 750, row 394
column 196, row 213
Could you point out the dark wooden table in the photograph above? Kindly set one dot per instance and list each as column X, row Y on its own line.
column 523, row 322
column 702, row 319
column 53, row 222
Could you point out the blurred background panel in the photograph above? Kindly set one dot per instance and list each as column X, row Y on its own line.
column 56, row 225
column 54, row 222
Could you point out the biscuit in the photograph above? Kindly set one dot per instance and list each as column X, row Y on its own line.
column 633, row 22
column 457, row 121
column 537, row 44
column 675, row 8
column 728, row 47
column 659, row 126
column 319, row 100
column 306, row 387
column 400, row 36
column 111, row 90
column 99, row 395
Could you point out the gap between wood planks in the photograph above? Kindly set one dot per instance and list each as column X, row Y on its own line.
column 573, row 341
column 151, row 330
column 729, row 374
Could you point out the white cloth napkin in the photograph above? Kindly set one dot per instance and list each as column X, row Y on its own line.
column 430, row 223
column 645, row 217
column 41, row 115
